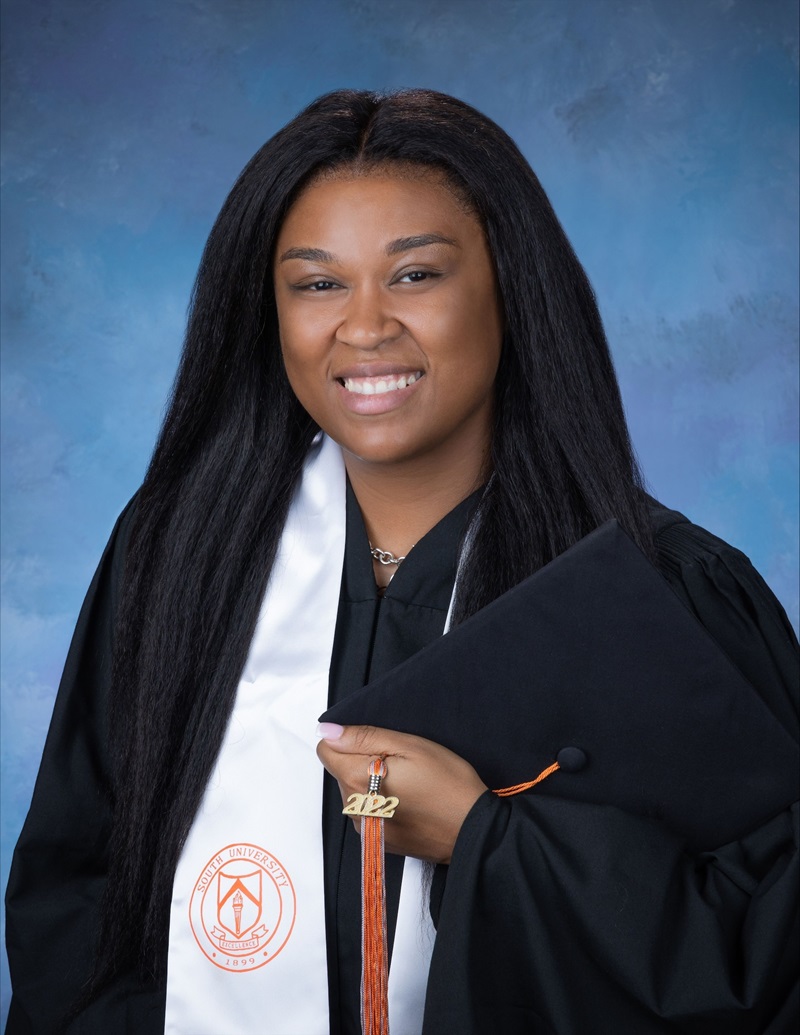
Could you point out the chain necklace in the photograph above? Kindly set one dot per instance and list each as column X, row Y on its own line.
column 385, row 556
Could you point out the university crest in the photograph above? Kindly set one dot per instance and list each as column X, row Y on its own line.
column 242, row 908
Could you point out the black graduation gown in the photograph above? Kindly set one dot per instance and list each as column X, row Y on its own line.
column 555, row 916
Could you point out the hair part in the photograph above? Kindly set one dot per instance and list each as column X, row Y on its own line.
column 230, row 454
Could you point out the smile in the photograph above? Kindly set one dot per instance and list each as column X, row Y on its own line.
column 379, row 385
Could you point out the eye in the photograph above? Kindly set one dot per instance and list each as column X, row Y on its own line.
column 318, row 285
column 416, row 276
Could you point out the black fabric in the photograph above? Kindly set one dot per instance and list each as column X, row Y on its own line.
column 559, row 916
column 571, row 908
column 556, row 916
column 593, row 657
column 733, row 603
column 374, row 635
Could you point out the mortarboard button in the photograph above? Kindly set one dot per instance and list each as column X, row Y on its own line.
column 571, row 759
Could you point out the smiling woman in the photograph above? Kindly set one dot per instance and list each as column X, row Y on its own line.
column 395, row 405
column 391, row 331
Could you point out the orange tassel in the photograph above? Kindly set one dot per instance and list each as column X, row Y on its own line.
column 374, row 954
column 506, row 792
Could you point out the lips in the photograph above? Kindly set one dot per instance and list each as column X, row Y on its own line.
column 371, row 390
column 380, row 384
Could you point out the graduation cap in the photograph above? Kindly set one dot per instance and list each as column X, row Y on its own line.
column 595, row 663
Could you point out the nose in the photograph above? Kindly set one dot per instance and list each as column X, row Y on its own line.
column 366, row 320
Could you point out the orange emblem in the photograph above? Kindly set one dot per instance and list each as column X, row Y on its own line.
column 242, row 908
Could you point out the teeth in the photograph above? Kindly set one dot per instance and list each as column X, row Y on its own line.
column 364, row 387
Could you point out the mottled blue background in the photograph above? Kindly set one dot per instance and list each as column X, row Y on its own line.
column 665, row 132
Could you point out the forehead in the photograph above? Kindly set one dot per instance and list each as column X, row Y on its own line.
column 378, row 206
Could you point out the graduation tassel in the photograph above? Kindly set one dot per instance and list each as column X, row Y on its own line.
column 374, row 963
column 373, row 808
column 506, row 792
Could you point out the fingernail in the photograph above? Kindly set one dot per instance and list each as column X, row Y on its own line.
column 329, row 730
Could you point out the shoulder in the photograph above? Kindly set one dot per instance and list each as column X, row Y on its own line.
column 692, row 558
column 720, row 586
column 119, row 538
column 121, row 533
column 679, row 542
column 101, row 602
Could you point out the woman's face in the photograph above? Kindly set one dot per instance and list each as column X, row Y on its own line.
column 389, row 317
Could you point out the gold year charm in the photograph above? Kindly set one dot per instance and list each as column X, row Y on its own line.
column 370, row 805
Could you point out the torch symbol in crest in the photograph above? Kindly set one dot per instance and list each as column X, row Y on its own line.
column 237, row 911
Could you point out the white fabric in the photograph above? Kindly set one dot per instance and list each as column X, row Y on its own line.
column 411, row 954
column 265, row 794
column 255, row 848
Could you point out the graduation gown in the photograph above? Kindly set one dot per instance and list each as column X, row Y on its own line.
column 555, row 916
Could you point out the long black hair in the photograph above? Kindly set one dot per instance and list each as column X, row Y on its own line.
column 212, row 507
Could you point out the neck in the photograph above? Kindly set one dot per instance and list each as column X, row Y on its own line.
column 401, row 502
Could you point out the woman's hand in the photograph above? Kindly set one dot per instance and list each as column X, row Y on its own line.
column 436, row 787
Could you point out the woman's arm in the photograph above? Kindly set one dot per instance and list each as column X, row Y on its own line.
column 583, row 918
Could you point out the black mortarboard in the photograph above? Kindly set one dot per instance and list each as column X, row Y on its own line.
column 594, row 662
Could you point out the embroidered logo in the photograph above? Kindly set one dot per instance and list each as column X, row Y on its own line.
column 243, row 907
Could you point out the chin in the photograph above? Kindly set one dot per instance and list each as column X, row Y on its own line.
column 377, row 455
column 379, row 448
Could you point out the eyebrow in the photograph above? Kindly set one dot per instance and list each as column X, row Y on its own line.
column 310, row 254
column 402, row 244
column 405, row 244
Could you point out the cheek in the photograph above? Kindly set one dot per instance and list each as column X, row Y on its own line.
column 306, row 371
column 486, row 335
column 300, row 357
column 474, row 344
column 305, row 336
column 298, row 374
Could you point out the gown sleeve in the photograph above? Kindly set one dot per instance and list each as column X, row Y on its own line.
column 58, row 871
column 566, row 917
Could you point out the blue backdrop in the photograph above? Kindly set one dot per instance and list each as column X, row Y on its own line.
column 665, row 132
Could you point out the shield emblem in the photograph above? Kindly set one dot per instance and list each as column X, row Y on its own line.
column 239, row 901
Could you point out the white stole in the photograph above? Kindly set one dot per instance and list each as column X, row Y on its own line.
column 247, row 923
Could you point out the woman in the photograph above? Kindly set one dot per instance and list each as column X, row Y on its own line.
column 390, row 271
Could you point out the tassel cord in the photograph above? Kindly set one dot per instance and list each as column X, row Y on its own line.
column 374, row 953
